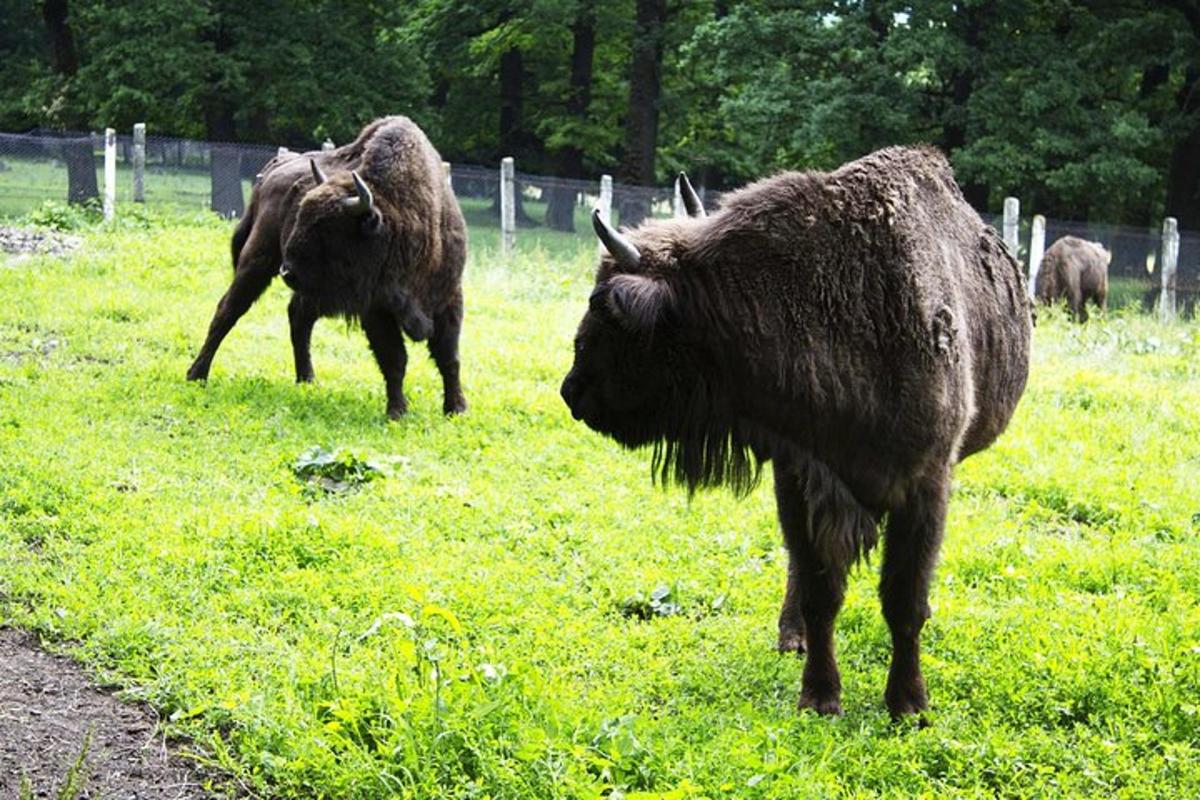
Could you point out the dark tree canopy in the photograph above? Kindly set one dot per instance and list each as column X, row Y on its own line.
column 1083, row 108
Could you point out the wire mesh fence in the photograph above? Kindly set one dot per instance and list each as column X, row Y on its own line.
column 550, row 212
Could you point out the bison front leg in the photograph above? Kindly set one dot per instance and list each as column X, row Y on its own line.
column 443, row 346
column 387, row 343
column 302, row 316
column 248, row 285
column 913, row 537
column 821, row 587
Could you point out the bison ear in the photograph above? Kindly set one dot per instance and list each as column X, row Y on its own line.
column 639, row 301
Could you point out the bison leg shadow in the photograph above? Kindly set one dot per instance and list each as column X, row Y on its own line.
column 820, row 588
column 302, row 316
column 443, row 346
column 911, row 542
column 248, row 285
column 387, row 344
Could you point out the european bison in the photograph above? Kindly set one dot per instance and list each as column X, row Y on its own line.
column 380, row 240
column 863, row 329
column 1077, row 270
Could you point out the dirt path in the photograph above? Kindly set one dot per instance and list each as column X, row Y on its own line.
column 47, row 707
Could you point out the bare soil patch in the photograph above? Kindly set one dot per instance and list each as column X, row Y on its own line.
column 48, row 706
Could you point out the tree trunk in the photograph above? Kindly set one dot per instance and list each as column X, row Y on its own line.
column 513, row 138
column 64, row 60
column 220, row 129
column 1183, row 174
column 641, row 121
column 560, row 207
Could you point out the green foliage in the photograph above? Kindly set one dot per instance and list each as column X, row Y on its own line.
column 63, row 217
column 328, row 472
column 1073, row 106
column 457, row 629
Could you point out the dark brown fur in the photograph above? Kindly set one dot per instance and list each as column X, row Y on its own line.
column 1076, row 270
column 397, row 269
column 864, row 329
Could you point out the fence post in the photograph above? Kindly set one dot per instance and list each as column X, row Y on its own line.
column 282, row 152
column 1037, row 249
column 604, row 206
column 1012, row 216
column 110, row 172
column 449, row 179
column 508, row 206
column 139, row 162
column 1170, row 260
column 326, row 146
column 677, row 206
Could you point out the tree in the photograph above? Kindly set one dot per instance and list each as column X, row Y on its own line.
column 64, row 105
column 641, row 118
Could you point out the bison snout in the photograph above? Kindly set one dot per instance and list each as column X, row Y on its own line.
column 571, row 392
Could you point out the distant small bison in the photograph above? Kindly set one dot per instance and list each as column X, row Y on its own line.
column 863, row 329
column 1077, row 270
column 380, row 240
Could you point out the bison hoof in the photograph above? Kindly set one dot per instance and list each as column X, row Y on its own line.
column 791, row 641
column 454, row 406
column 306, row 377
column 827, row 704
column 397, row 410
column 903, row 700
column 197, row 374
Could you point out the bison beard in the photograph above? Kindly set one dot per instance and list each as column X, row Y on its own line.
column 863, row 330
column 369, row 232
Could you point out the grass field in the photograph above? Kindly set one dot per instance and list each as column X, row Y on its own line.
column 512, row 610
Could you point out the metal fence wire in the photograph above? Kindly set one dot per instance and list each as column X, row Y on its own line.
column 188, row 174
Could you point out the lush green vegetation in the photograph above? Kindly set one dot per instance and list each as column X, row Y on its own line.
column 510, row 609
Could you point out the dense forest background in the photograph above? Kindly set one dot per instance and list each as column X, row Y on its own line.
column 1086, row 110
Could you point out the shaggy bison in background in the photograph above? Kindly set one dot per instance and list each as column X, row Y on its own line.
column 380, row 240
column 863, row 329
column 1077, row 270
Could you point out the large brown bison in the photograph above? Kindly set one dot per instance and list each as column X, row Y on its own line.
column 1077, row 270
column 863, row 329
column 370, row 232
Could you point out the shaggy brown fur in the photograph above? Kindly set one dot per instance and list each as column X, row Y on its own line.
column 1077, row 270
column 398, row 268
column 863, row 328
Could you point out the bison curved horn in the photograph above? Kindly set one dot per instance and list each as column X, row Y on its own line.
column 691, row 200
column 364, row 203
column 621, row 248
column 318, row 176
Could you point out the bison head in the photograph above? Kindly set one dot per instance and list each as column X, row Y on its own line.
column 337, row 247
column 645, row 368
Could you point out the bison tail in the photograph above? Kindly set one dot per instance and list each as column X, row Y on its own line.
column 241, row 233
column 840, row 529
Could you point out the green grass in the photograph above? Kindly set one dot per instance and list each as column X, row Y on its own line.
column 470, row 623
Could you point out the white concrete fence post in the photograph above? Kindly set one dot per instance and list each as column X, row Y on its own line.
column 282, row 152
column 1012, row 217
column 604, row 205
column 508, row 206
column 677, row 206
column 139, row 162
column 449, row 179
column 1037, row 249
column 110, row 173
column 326, row 146
column 1170, row 261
